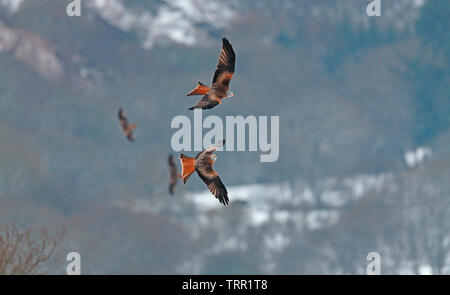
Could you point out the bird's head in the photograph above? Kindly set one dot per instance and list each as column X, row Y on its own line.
column 230, row 94
column 213, row 157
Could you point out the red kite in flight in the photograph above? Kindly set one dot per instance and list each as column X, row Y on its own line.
column 174, row 175
column 202, row 163
column 221, row 81
column 127, row 129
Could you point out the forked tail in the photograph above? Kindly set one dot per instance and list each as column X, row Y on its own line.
column 187, row 167
column 201, row 89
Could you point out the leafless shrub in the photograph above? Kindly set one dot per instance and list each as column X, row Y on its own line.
column 23, row 252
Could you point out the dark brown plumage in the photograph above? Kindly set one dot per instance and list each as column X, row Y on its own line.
column 202, row 164
column 126, row 128
column 173, row 175
column 219, row 90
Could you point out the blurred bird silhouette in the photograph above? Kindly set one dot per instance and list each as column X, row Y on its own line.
column 126, row 128
column 174, row 175
column 202, row 164
column 219, row 90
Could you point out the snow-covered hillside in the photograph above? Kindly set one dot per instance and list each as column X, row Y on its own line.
column 193, row 22
column 278, row 201
column 274, row 209
column 178, row 21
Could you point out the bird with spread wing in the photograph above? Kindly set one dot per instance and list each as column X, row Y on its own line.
column 126, row 128
column 202, row 164
column 219, row 90
column 174, row 175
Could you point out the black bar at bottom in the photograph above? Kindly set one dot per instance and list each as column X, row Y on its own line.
column 221, row 284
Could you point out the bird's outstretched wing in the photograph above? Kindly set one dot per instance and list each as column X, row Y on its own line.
column 221, row 81
column 209, row 176
column 225, row 66
column 216, row 186
column 208, row 101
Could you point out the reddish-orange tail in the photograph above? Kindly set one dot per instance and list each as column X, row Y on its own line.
column 132, row 127
column 201, row 89
column 187, row 167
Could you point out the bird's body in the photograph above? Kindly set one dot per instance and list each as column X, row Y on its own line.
column 173, row 175
column 202, row 164
column 126, row 127
column 219, row 89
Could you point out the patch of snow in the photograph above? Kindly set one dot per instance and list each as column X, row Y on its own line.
column 178, row 21
column 319, row 218
column 416, row 157
column 333, row 198
column 251, row 193
column 281, row 216
column 276, row 201
column 276, row 242
column 361, row 184
column 11, row 5
column 269, row 203
column 259, row 217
